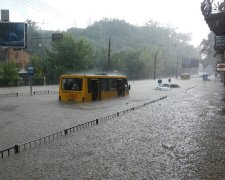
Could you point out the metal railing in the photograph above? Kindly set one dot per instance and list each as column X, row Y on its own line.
column 7, row 95
column 10, row 95
column 33, row 143
column 40, row 92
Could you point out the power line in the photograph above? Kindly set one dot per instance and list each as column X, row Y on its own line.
column 39, row 6
column 29, row 5
column 46, row 6
column 35, row 5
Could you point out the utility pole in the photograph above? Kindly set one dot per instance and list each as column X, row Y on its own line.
column 177, row 61
column 177, row 69
column 109, row 51
column 5, row 18
column 156, row 54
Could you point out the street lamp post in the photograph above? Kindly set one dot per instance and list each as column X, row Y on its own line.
column 177, row 69
column 43, row 61
column 109, row 53
column 31, row 73
column 156, row 55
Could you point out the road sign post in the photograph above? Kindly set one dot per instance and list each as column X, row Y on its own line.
column 57, row 37
column 169, row 80
column 220, row 67
column 30, row 73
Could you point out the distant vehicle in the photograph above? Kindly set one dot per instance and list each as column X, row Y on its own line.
column 82, row 88
column 204, row 76
column 170, row 85
column 161, row 88
column 185, row 76
column 166, row 87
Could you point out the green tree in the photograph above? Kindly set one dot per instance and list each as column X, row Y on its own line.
column 33, row 33
column 9, row 74
column 208, row 52
column 132, row 62
column 69, row 56
column 37, row 63
column 132, row 47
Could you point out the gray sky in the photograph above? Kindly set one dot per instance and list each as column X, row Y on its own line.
column 184, row 15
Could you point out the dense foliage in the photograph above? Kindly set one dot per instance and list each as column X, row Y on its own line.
column 8, row 74
column 207, row 50
column 134, row 50
column 209, row 56
column 69, row 56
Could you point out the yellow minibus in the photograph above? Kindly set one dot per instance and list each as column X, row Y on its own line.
column 84, row 88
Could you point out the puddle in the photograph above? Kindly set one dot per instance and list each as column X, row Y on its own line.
column 8, row 108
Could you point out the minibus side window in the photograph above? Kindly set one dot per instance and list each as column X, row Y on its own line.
column 74, row 84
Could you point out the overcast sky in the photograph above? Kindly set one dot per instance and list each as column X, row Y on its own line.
column 185, row 15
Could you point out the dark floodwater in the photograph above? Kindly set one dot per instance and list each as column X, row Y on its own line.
column 181, row 137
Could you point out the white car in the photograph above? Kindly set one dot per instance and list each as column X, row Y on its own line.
column 166, row 87
column 161, row 88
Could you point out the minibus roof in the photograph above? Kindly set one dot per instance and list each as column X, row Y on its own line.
column 91, row 76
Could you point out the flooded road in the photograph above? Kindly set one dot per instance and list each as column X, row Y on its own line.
column 180, row 137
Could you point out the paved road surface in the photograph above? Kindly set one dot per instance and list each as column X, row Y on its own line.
column 181, row 137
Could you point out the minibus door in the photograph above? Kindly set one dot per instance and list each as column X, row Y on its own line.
column 120, row 88
column 96, row 90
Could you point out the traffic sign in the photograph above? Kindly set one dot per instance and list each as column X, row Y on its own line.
column 57, row 37
column 160, row 81
column 220, row 67
column 30, row 70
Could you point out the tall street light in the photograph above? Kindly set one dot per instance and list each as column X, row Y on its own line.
column 43, row 61
column 156, row 55
column 109, row 53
